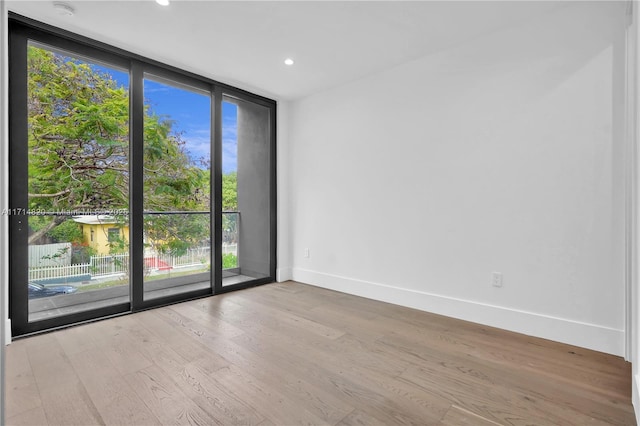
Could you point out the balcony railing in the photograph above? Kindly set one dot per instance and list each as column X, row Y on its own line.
column 155, row 262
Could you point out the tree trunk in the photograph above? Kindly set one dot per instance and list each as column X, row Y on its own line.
column 57, row 220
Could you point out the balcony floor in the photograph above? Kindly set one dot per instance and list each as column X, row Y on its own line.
column 65, row 304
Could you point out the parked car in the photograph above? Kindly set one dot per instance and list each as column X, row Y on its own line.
column 38, row 290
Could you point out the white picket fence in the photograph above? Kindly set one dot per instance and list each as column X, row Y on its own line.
column 109, row 265
column 100, row 266
column 52, row 272
column 230, row 248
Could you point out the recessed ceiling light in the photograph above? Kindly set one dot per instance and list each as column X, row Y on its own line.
column 163, row 2
column 288, row 61
column 63, row 9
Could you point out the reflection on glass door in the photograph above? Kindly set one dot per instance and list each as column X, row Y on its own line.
column 78, row 184
column 177, row 195
column 247, row 192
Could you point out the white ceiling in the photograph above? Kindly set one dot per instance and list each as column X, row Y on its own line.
column 245, row 43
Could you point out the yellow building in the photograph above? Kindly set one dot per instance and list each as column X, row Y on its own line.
column 100, row 232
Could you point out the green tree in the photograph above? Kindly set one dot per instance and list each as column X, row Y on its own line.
column 67, row 231
column 78, row 138
column 230, row 192
column 79, row 151
column 229, row 204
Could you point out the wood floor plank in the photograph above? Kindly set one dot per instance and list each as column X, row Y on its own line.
column 296, row 354
column 201, row 385
column 49, row 362
column 222, row 329
column 196, row 330
column 269, row 402
column 68, row 403
column 493, row 401
column 187, row 347
column 81, row 338
column 280, row 317
column 158, row 346
column 366, row 366
column 22, row 392
column 343, row 378
column 126, row 358
column 457, row 416
column 278, row 298
column 360, row 418
column 196, row 382
column 266, row 422
column 541, row 392
column 327, row 406
column 165, row 399
column 114, row 399
column 34, row 416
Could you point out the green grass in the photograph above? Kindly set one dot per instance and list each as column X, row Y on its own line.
column 229, row 260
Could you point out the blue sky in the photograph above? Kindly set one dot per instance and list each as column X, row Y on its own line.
column 191, row 116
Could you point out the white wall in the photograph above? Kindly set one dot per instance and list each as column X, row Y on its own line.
column 633, row 52
column 283, row 272
column 413, row 185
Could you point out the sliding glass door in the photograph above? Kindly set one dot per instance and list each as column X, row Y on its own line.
column 78, row 183
column 132, row 184
column 177, row 188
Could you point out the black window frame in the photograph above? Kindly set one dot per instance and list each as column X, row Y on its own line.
column 21, row 31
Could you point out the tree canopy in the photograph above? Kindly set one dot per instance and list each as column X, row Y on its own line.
column 78, row 136
column 79, row 154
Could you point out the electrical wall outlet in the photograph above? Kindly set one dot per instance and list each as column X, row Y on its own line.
column 496, row 279
column 306, row 252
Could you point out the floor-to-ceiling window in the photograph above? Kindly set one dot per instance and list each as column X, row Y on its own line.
column 247, row 190
column 77, row 182
column 177, row 188
column 132, row 184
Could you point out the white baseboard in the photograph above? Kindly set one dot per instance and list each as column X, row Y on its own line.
column 590, row 336
column 283, row 274
column 635, row 396
column 7, row 331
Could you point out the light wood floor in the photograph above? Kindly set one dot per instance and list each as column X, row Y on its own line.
column 288, row 353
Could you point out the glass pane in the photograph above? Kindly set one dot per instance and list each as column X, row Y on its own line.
column 230, row 216
column 177, row 168
column 78, row 183
column 246, row 167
